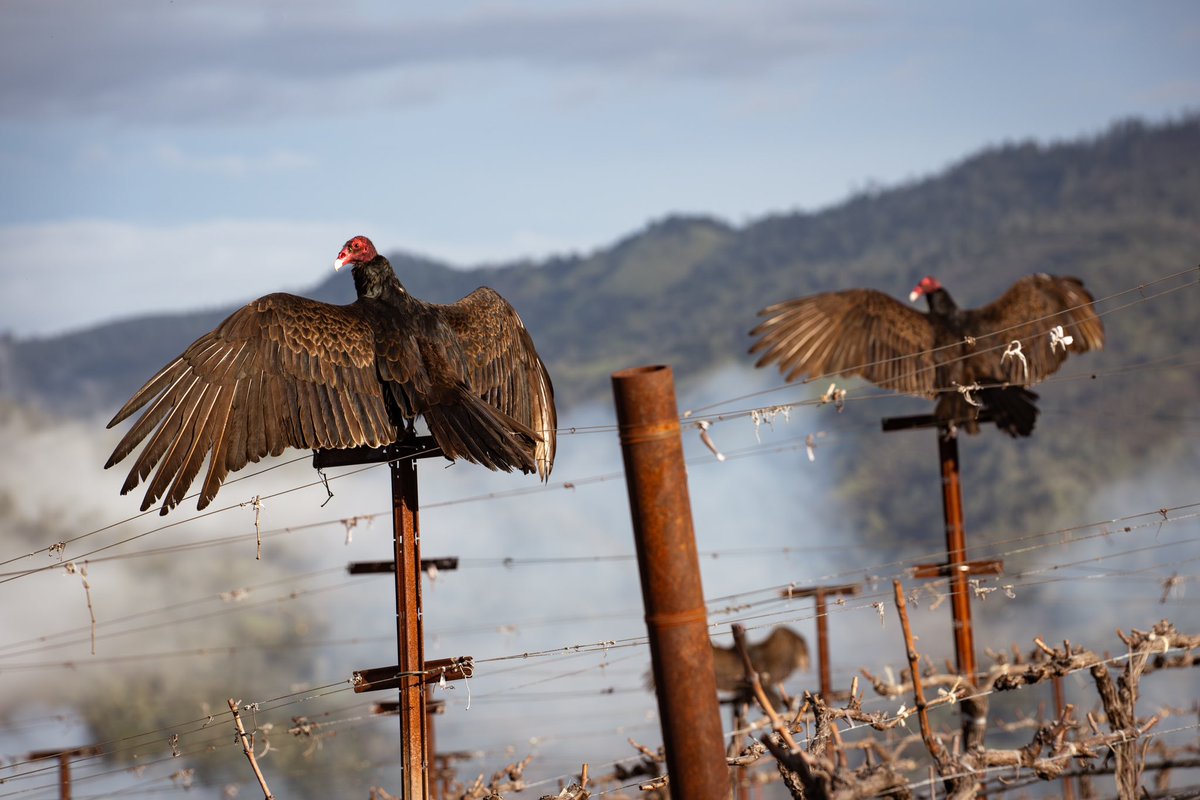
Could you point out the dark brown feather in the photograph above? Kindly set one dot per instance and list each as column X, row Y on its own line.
column 500, row 363
column 285, row 371
column 865, row 332
column 1026, row 313
column 775, row 658
column 853, row 332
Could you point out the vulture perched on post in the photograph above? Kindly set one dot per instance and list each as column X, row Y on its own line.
column 779, row 655
column 775, row 658
column 1000, row 349
column 285, row 371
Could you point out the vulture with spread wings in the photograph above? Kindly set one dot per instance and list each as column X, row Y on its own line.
column 775, row 658
column 1014, row 342
column 285, row 371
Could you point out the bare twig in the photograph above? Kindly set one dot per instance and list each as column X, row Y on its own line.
column 248, row 749
column 257, row 505
column 777, row 723
column 932, row 742
column 87, row 590
column 576, row 791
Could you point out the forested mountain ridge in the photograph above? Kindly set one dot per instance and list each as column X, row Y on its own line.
column 1117, row 209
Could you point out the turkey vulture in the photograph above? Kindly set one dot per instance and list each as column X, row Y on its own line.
column 776, row 657
column 866, row 332
column 286, row 371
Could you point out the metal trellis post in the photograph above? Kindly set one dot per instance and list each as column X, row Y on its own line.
column 956, row 568
column 669, row 564
column 64, row 764
column 406, row 536
column 819, row 593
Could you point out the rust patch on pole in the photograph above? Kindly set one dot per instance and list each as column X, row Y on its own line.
column 676, row 620
column 409, row 629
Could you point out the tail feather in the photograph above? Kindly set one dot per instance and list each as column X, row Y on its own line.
column 471, row 429
column 1012, row 408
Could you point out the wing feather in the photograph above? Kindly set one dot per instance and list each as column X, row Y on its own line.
column 162, row 438
column 203, row 428
column 172, row 462
column 222, row 438
column 1027, row 312
column 152, row 417
column 235, row 446
column 283, row 371
column 852, row 332
column 499, row 362
column 256, row 422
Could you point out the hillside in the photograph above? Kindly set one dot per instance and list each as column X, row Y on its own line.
column 1116, row 209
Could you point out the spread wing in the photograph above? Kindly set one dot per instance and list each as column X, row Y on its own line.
column 1027, row 312
column 283, row 371
column 781, row 653
column 853, row 332
column 501, row 364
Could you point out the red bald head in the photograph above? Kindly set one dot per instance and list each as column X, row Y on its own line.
column 928, row 285
column 358, row 250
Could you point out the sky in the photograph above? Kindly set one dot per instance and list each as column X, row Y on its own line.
column 170, row 155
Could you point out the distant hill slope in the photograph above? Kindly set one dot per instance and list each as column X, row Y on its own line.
column 1116, row 209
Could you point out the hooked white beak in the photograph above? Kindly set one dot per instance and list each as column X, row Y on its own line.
column 913, row 295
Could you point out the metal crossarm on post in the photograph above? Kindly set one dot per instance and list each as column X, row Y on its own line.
column 64, row 764
column 378, row 679
column 379, row 567
column 819, row 593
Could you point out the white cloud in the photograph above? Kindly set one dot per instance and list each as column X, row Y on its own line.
column 59, row 276
column 223, row 63
column 67, row 275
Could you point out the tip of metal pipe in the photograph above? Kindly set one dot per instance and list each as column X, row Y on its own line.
column 633, row 372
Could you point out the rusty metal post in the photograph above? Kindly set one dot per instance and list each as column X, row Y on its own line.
column 820, row 595
column 431, row 747
column 956, row 551
column 64, row 776
column 64, row 764
column 406, row 533
column 956, row 569
column 676, row 621
column 823, row 646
